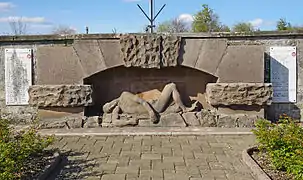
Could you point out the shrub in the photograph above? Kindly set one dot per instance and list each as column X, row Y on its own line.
column 283, row 144
column 17, row 148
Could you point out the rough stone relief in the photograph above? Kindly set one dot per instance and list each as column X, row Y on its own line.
column 149, row 51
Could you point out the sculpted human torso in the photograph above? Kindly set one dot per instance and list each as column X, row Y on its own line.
column 129, row 103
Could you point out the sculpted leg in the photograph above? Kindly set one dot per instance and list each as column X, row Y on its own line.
column 170, row 90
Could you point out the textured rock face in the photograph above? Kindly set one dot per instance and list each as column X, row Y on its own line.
column 60, row 95
column 150, row 51
column 239, row 94
column 92, row 122
column 191, row 119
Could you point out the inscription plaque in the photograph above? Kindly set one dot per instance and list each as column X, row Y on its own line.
column 18, row 75
column 283, row 73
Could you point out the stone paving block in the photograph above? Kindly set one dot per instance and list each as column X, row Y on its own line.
column 163, row 166
column 175, row 176
column 239, row 175
column 172, row 159
column 128, row 170
column 113, row 177
column 151, row 173
column 199, row 157
column 151, row 156
column 144, row 164
column 213, row 174
column 131, row 154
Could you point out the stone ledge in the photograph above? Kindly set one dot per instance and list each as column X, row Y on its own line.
column 145, row 131
column 250, row 162
column 51, row 37
column 60, row 95
column 247, row 94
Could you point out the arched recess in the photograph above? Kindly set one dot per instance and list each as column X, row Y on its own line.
column 110, row 83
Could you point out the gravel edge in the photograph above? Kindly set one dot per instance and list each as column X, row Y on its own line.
column 50, row 169
column 253, row 165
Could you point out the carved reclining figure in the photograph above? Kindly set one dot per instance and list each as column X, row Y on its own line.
column 129, row 103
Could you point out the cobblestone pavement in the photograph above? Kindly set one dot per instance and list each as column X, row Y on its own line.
column 211, row 157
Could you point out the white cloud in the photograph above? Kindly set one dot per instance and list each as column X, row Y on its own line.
column 6, row 6
column 37, row 20
column 257, row 23
column 186, row 18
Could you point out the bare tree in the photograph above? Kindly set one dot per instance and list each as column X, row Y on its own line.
column 175, row 25
column 64, row 30
column 18, row 26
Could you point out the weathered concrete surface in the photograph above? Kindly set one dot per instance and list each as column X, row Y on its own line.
column 58, row 65
column 90, row 56
column 242, row 64
column 60, row 95
column 110, row 49
column 239, row 94
column 211, row 54
column 150, row 51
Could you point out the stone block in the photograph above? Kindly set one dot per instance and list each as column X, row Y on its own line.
column 58, row 65
column 68, row 122
column 242, row 63
column 242, row 109
column 90, row 56
column 74, row 122
column 227, row 121
column 92, row 122
column 106, row 119
column 191, row 119
column 53, row 125
column 172, row 120
column 191, row 52
column 19, row 115
column 207, row 118
column 111, row 53
column 60, row 95
column 211, row 54
column 239, row 94
column 246, row 121
column 59, row 112
column 150, row 51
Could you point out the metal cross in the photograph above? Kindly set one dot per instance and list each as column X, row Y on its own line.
column 152, row 18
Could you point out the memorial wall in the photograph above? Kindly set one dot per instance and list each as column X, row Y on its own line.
column 57, row 60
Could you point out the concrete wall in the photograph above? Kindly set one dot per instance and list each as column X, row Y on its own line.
column 225, row 58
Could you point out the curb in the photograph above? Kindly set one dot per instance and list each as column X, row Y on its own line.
column 253, row 165
column 50, row 169
column 145, row 132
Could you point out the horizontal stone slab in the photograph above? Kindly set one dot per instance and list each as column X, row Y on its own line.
column 225, row 94
column 60, row 95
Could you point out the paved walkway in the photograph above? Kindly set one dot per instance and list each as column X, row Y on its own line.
column 211, row 157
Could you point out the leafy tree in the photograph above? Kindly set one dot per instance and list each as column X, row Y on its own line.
column 175, row 25
column 207, row 20
column 283, row 25
column 243, row 27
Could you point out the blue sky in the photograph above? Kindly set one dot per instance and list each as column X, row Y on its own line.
column 104, row 15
